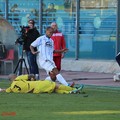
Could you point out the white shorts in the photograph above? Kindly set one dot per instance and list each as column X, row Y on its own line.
column 47, row 65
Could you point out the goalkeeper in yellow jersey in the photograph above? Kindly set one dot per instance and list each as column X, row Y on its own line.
column 42, row 86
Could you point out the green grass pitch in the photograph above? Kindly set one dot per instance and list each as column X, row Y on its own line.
column 102, row 103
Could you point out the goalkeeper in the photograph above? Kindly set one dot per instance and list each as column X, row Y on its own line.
column 41, row 86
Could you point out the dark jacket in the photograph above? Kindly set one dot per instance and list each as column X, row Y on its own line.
column 30, row 36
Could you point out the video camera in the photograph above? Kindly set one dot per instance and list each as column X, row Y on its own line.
column 23, row 31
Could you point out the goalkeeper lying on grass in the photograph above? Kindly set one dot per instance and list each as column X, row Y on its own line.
column 41, row 86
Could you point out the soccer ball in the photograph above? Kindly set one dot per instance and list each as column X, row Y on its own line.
column 116, row 77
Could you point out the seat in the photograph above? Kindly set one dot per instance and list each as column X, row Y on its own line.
column 8, row 60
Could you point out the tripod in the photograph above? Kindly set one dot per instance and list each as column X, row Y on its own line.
column 19, row 65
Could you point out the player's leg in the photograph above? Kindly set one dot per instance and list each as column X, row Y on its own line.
column 64, row 89
column 118, row 58
column 68, row 90
column 57, row 60
column 59, row 77
column 117, row 76
column 78, row 90
column 49, row 66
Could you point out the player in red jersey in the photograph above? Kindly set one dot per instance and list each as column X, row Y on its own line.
column 59, row 43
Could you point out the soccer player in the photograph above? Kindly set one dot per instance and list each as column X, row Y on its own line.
column 59, row 43
column 45, row 52
column 41, row 86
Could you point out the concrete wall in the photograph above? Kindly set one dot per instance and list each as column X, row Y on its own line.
column 101, row 66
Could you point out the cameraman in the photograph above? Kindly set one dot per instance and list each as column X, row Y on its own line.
column 31, row 34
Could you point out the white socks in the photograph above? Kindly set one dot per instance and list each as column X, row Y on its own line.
column 61, row 79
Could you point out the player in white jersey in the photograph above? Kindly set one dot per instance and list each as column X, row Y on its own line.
column 45, row 51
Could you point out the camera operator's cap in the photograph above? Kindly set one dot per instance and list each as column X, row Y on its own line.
column 31, row 22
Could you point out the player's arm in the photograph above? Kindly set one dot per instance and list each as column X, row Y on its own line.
column 33, row 45
column 32, row 50
column 63, row 45
column 8, row 90
column 60, row 51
